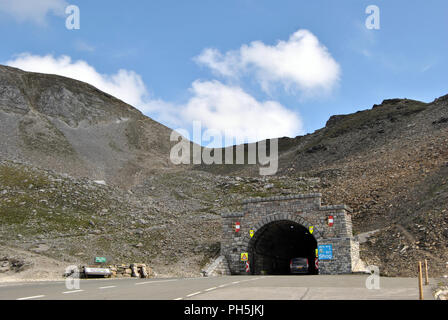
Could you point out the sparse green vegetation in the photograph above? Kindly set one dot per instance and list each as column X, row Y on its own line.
column 20, row 177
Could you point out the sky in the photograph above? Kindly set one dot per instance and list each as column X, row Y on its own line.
column 250, row 69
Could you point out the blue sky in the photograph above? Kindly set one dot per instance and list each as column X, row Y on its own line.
column 159, row 44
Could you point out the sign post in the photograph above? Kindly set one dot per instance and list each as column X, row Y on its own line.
column 420, row 281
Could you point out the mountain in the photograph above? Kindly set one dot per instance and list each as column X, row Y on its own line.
column 389, row 163
column 71, row 127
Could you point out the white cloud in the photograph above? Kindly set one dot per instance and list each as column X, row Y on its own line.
column 218, row 106
column 81, row 45
column 301, row 63
column 228, row 65
column 229, row 109
column 33, row 10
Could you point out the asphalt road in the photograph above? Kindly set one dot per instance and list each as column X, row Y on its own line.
column 341, row 287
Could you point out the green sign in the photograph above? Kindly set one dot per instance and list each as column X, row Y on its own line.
column 100, row 259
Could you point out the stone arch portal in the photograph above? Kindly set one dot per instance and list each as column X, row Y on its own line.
column 272, row 231
column 272, row 247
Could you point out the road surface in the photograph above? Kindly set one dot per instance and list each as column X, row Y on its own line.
column 322, row 287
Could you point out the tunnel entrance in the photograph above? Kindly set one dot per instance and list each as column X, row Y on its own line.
column 275, row 244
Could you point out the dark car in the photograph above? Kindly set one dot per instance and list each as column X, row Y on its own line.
column 299, row 265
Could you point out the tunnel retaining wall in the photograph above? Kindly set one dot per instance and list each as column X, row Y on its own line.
column 304, row 209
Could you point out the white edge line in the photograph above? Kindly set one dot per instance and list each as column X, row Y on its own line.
column 210, row 289
column 178, row 299
column 107, row 287
column 34, row 297
column 67, row 292
column 193, row 294
column 147, row 282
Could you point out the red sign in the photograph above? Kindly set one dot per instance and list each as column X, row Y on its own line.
column 330, row 221
column 316, row 263
column 247, row 267
column 237, row 226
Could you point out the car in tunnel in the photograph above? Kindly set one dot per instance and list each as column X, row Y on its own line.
column 299, row 266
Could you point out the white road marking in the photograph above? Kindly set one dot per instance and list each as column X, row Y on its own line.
column 34, row 297
column 107, row 287
column 193, row 294
column 213, row 288
column 74, row 291
column 154, row 281
column 210, row 289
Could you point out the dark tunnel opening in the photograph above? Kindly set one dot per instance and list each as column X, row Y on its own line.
column 274, row 246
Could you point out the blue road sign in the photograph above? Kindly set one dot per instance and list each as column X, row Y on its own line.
column 325, row 252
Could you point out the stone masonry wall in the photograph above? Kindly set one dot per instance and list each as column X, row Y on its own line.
column 304, row 209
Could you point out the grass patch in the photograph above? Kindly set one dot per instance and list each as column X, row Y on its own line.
column 21, row 178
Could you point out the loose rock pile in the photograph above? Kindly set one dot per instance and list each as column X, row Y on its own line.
column 441, row 293
column 139, row 270
column 13, row 264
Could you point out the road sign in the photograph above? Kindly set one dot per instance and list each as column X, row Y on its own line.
column 330, row 221
column 244, row 256
column 237, row 226
column 100, row 259
column 325, row 252
column 311, row 229
column 251, row 232
column 247, row 267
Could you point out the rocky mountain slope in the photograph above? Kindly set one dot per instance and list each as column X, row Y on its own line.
column 171, row 222
column 389, row 163
column 71, row 127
